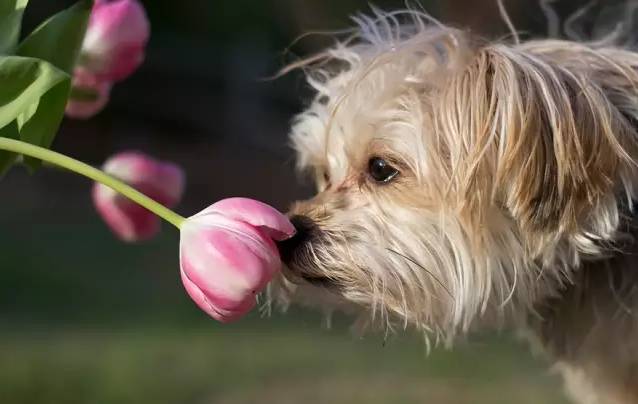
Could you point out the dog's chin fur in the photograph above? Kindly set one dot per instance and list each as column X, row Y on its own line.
column 517, row 170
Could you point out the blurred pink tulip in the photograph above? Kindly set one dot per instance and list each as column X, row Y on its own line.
column 89, row 95
column 227, row 255
column 115, row 39
column 161, row 181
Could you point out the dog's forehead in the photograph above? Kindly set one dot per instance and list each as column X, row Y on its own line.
column 375, row 104
column 378, row 118
column 347, row 138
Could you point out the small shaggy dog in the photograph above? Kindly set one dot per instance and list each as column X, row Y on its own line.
column 465, row 184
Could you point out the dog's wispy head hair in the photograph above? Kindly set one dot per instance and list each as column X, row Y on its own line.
column 458, row 178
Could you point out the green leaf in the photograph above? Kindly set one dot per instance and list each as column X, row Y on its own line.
column 42, row 126
column 10, row 23
column 32, row 102
column 24, row 81
column 59, row 39
column 7, row 158
column 36, row 83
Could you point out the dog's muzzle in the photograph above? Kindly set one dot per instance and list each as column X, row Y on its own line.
column 294, row 251
column 287, row 248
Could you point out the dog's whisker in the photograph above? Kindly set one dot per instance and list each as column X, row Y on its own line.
column 413, row 261
column 511, row 292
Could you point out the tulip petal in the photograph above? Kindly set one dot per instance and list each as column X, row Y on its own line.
column 115, row 39
column 220, row 315
column 163, row 182
column 128, row 220
column 258, row 214
column 83, row 81
column 227, row 259
column 227, row 255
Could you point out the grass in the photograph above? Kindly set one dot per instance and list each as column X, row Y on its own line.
column 262, row 362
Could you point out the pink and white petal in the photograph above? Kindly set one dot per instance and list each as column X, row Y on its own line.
column 225, row 265
column 268, row 219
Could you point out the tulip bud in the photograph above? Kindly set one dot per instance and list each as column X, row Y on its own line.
column 117, row 34
column 88, row 96
column 227, row 255
column 161, row 181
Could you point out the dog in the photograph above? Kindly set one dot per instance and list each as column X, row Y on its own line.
column 466, row 184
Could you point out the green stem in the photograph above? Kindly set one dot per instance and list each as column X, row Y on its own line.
column 93, row 173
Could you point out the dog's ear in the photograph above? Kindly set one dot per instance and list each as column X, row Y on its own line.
column 541, row 140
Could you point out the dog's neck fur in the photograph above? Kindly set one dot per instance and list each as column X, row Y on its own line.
column 591, row 328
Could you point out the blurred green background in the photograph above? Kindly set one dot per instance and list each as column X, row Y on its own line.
column 87, row 319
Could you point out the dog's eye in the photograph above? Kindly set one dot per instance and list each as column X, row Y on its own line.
column 380, row 170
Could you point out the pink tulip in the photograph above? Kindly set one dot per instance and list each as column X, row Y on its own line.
column 89, row 95
column 227, row 255
column 161, row 181
column 115, row 39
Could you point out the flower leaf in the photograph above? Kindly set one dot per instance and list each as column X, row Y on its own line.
column 7, row 158
column 11, row 12
column 42, row 125
column 58, row 40
column 24, row 81
column 36, row 83
column 32, row 101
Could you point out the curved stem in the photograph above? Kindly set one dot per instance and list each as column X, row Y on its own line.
column 93, row 173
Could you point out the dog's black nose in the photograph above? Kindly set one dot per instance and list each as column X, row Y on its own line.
column 304, row 226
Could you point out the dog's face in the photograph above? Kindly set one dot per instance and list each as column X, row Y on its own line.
column 457, row 180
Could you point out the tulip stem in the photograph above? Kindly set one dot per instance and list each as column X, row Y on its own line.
column 93, row 173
